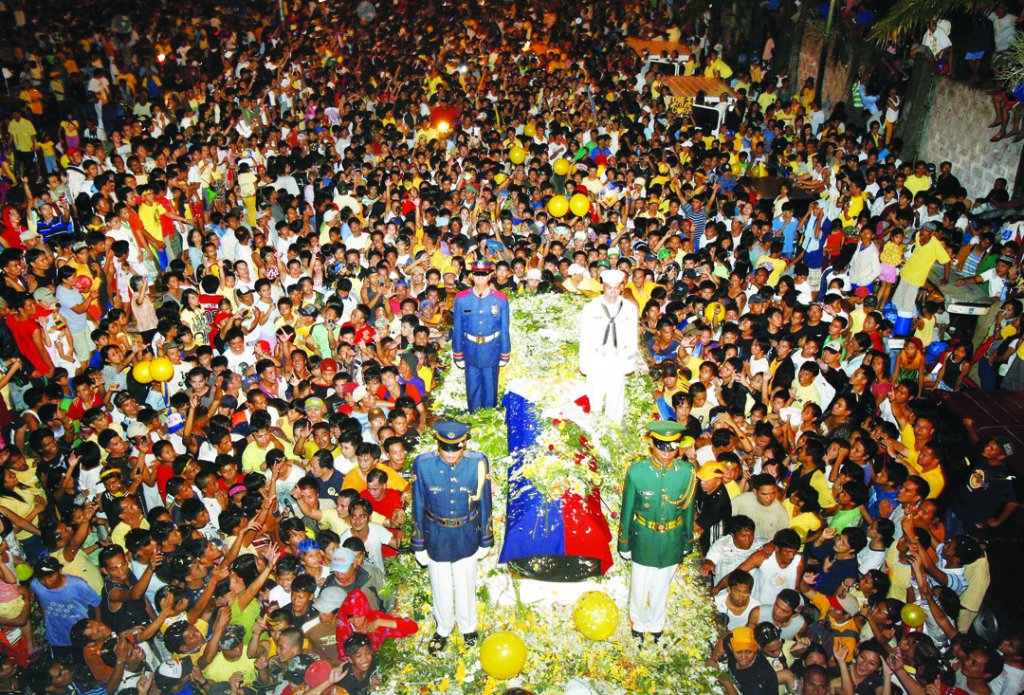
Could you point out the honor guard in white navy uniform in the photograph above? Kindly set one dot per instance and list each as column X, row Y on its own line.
column 608, row 346
column 451, row 505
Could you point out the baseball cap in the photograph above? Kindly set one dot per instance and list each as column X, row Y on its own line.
column 1005, row 444
column 46, row 566
column 329, row 365
column 350, row 387
column 314, row 402
column 533, row 274
column 137, row 429
column 343, row 560
column 743, row 640
column 317, row 673
column 711, row 470
column 330, row 600
column 109, row 473
column 848, row 604
column 232, row 637
column 305, row 545
column 170, row 672
column 359, row 393
column 295, row 672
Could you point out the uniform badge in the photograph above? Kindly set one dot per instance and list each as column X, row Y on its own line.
column 494, row 310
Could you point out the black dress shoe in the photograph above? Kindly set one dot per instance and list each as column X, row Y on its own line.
column 655, row 636
column 470, row 638
column 437, row 643
column 638, row 636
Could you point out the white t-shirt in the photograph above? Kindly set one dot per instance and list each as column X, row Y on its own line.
column 376, row 539
column 996, row 284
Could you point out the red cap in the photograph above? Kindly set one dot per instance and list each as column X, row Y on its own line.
column 329, row 365
column 263, row 345
column 317, row 673
column 349, row 387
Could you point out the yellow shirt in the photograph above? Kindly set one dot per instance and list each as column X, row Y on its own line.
column 802, row 523
column 920, row 263
column 150, row 216
column 926, row 333
column 915, row 184
column 22, row 131
column 778, row 267
column 936, row 480
column 122, row 529
column 357, row 482
column 254, row 459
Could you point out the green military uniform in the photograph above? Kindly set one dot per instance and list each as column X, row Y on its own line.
column 657, row 513
column 656, row 529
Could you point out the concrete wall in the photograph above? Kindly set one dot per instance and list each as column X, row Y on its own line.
column 955, row 130
column 834, row 89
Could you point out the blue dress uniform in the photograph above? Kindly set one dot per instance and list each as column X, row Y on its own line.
column 480, row 341
column 451, row 509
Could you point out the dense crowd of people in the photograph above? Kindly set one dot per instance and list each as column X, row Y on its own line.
column 285, row 208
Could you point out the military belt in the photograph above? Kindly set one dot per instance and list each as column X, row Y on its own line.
column 452, row 523
column 655, row 526
column 481, row 339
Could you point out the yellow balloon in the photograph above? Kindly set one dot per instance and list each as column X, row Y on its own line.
column 579, row 204
column 912, row 615
column 596, row 615
column 24, row 572
column 558, row 206
column 141, row 373
column 530, row 130
column 503, row 655
column 161, row 369
column 561, row 166
column 517, row 155
column 715, row 311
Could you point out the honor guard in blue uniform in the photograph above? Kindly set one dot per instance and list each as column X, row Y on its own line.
column 451, row 506
column 480, row 340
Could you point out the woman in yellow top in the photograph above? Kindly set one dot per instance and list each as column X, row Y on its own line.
column 21, row 509
column 804, row 513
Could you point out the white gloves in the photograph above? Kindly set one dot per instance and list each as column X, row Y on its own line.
column 421, row 557
column 481, row 553
column 626, row 555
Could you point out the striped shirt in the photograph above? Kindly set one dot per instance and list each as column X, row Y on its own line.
column 699, row 220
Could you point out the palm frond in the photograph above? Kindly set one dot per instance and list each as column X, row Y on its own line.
column 908, row 17
column 1012, row 72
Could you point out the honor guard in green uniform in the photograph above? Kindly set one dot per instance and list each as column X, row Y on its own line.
column 657, row 524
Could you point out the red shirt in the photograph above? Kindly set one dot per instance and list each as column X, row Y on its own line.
column 406, row 390
column 77, row 408
column 364, row 335
column 386, row 507
column 23, row 331
column 210, row 302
